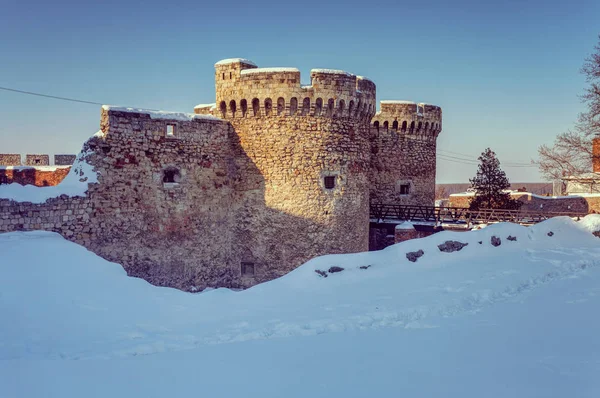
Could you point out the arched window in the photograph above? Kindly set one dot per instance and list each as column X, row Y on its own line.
column 318, row 106
column 351, row 109
column 419, row 128
column 232, row 107
column 386, row 125
column 280, row 106
column 395, row 125
column 363, row 111
column 256, row 107
column 268, row 107
column 358, row 108
column 306, row 106
column 171, row 175
column 376, row 125
column 404, row 126
column 426, row 127
column 330, row 106
column 341, row 108
column 223, row 108
column 244, row 106
column 412, row 127
column 293, row 106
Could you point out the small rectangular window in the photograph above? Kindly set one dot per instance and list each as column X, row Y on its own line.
column 37, row 161
column 329, row 182
column 247, row 269
column 170, row 130
column 404, row 189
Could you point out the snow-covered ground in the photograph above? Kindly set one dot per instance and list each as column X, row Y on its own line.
column 516, row 320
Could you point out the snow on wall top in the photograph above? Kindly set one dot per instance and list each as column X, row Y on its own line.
column 332, row 71
column 397, row 102
column 74, row 184
column 406, row 225
column 365, row 78
column 200, row 106
column 161, row 114
column 234, row 60
column 269, row 70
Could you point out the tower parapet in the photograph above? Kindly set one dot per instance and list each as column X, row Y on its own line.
column 245, row 91
column 419, row 120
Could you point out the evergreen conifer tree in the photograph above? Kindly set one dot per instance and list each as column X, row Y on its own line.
column 489, row 184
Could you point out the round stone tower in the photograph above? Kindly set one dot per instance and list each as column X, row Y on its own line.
column 304, row 157
column 403, row 139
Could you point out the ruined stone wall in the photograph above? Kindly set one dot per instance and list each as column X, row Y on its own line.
column 163, row 205
column 38, row 176
column 10, row 159
column 66, row 215
column 403, row 160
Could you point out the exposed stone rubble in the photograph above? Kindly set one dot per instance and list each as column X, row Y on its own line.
column 451, row 246
column 413, row 256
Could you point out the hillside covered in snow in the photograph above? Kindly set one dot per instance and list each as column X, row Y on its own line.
column 511, row 313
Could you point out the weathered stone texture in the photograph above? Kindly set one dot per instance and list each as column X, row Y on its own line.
column 37, row 160
column 403, row 161
column 239, row 201
column 10, row 159
column 64, row 160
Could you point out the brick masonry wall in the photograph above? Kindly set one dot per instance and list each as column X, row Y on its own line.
column 33, row 176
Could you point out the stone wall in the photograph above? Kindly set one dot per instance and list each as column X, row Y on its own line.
column 403, row 160
column 64, row 160
column 10, row 159
column 193, row 201
column 37, row 160
column 38, row 176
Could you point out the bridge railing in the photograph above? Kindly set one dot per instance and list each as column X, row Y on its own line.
column 382, row 212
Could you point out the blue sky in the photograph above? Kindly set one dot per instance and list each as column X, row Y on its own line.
column 506, row 73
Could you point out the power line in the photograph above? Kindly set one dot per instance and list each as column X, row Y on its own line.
column 470, row 158
column 50, row 96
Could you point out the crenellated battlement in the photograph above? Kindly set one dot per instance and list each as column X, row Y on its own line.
column 419, row 120
column 244, row 90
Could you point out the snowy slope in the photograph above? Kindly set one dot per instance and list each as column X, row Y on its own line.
column 513, row 320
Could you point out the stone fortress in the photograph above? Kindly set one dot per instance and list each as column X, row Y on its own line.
column 246, row 189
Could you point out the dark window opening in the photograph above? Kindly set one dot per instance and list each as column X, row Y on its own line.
column 404, row 189
column 37, row 161
column 223, row 75
column 230, row 75
column 171, row 175
column 255, row 107
column 247, row 268
column 268, row 106
column 329, row 182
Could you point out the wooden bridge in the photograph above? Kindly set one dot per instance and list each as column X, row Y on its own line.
column 458, row 215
